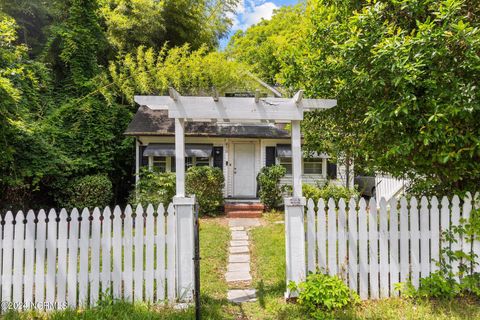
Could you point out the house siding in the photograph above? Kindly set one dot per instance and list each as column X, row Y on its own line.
column 260, row 159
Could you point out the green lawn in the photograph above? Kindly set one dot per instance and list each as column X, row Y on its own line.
column 268, row 270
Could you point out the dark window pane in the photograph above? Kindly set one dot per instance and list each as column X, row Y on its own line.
column 331, row 170
column 270, row 156
column 218, row 157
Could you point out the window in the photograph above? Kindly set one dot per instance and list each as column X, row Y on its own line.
column 287, row 164
column 159, row 163
column 312, row 166
column 202, row 161
column 191, row 162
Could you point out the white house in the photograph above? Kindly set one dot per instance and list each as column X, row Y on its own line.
column 239, row 149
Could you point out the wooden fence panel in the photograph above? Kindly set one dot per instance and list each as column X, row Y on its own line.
column 424, row 238
column 383, row 246
column 160, row 241
column 149, row 250
column 322, row 236
column 62, row 259
column 311, row 256
column 8, row 233
column 128, row 255
column 342, row 239
column 394, row 256
column 374, row 248
column 40, row 257
column 18, row 247
column 72, row 260
column 352, row 245
column 332, row 237
column 51, row 282
column 435, row 234
column 363, row 249
column 29, row 277
column 138, row 244
column 96, row 242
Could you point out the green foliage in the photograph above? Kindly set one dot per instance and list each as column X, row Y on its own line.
column 131, row 23
column 74, row 46
column 88, row 192
column 329, row 191
column 263, row 46
column 403, row 73
column 322, row 292
column 270, row 188
column 159, row 187
column 154, row 187
column 447, row 283
column 207, row 184
column 189, row 72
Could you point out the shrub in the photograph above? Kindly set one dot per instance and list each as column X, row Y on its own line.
column 154, row 187
column 324, row 292
column 337, row 192
column 88, row 192
column 311, row 192
column 269, row 182
column 207, row 184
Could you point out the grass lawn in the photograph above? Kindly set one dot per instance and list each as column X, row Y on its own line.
column 268, row 270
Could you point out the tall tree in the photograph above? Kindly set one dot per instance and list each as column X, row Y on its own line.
column 404, row 73
column 74, row 46
column 264, row 46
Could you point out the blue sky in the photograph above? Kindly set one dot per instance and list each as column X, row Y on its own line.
column 252, row 11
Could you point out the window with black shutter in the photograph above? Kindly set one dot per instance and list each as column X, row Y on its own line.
column 143, row 160
column 218, row 157
column 270, row 155
column 331, row 170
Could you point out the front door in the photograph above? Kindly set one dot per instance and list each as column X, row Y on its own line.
column 244, row 170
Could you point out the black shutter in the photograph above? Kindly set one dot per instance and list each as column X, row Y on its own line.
column 218, row 157
column 270, row 156
column 143, row 160
column 331, row 170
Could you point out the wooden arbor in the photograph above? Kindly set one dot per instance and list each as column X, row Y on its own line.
column 236, row 109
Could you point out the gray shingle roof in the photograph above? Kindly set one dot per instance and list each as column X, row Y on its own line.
column 148, row 122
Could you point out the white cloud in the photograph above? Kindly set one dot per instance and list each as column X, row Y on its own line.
column 262, row 11
column 251, row 12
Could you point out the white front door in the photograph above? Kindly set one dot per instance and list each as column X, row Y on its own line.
column 244, row 170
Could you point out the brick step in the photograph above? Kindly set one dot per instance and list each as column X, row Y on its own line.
column 244, row 207
column 245, row 214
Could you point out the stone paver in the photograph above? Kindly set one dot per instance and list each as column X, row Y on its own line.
column 243, row 249
column 238, row 243
column 239, row 258
column 244, row 222
column 239, row 266
column 237, row 276
column 241, row 295
column 239, row 236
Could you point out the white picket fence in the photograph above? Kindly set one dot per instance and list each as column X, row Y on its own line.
column 388, row 187
column 373, row 249
column 56, row 261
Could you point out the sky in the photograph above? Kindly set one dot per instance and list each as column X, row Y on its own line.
column 251, row 12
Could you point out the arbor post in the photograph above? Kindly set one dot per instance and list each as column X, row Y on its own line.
column 184, row 211
column 294, row 221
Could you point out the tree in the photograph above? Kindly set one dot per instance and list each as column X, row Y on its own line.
column 190, row 72
column 131, row 23
column 404, row 74
column 26, row 156
column 264, row 46
column 74, row 46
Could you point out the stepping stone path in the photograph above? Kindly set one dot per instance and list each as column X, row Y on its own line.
column 238, row 270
